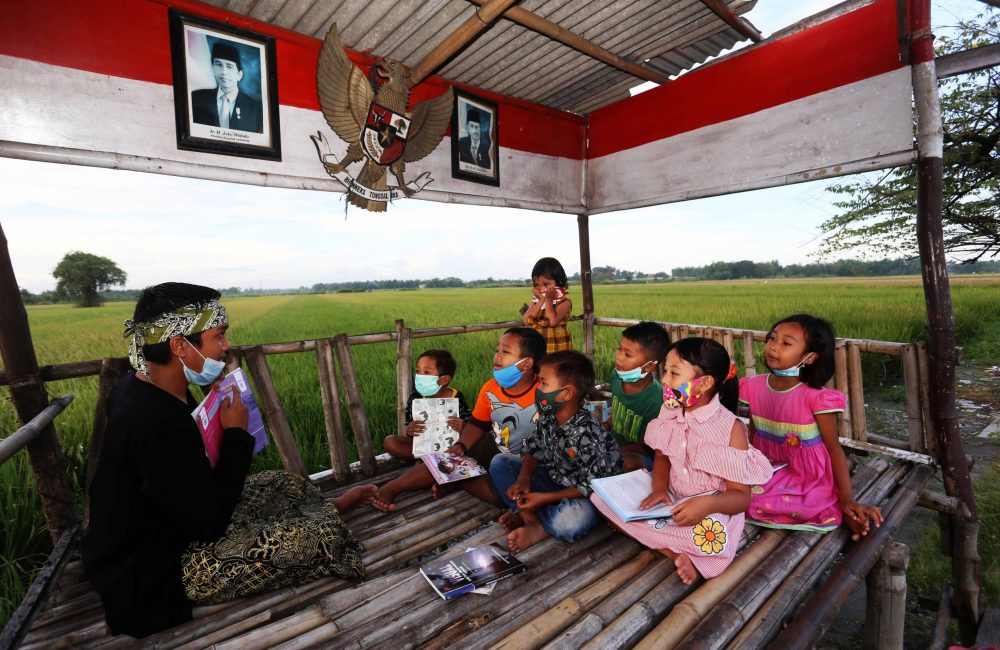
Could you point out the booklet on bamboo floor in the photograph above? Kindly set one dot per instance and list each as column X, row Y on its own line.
column 448, row 468
column 624, row 493
column 472, row 570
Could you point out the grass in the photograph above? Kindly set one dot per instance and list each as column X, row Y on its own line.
column 890, row 309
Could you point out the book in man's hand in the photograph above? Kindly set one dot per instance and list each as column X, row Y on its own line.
column 471, row 570
column 624, row 493
column 209, row 421
column 448, row 468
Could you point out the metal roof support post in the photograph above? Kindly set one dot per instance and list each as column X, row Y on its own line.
column 943, row 355
column 28, row 394
column 587, row 280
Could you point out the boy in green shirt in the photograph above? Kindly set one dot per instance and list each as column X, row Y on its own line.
column 636, row 393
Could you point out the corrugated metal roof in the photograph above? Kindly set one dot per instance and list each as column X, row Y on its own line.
column 667, row 36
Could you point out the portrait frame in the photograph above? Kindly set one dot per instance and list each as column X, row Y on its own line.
column 254, row 129
column 483, row 165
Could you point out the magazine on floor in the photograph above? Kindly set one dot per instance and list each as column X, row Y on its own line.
column 448, row 468
column 624, row 493
column 437, row 435
column 472, row 570
column 209, row 421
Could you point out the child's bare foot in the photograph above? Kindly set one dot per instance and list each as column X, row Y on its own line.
column 439, row 491
column 510, row 521
column 383, row 499
column 358, row 495
column 526, row 536
column 685, row 569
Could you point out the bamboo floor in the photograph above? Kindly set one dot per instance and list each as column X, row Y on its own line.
column 604, row 591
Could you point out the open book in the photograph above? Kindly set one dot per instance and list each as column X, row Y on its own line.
column 437, row 435
column 207, row 417
column 624, row 493
column 473, row 569
column 446, row 468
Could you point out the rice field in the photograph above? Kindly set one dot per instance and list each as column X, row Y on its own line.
column 884, row 309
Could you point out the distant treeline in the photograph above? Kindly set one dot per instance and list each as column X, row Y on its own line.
column 741, row 270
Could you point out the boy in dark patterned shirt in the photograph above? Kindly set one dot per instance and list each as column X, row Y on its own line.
column 547, row 488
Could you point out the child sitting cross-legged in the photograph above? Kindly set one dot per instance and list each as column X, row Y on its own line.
column 700, row 446
column 636, row 395
column 434, row 371
column 548, row 486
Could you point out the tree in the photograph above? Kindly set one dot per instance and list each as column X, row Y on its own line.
column 880, row 209
column 82, row 276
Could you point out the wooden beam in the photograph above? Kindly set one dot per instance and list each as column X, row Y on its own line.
column 740, row 24
column 548, row 28
column 458, row 39
column 977, row 58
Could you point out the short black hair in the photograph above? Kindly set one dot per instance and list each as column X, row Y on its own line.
column 445, row 363
column 161, row 298
column 532, row 343
column 651, row 337
column 711, row 359
column 550, row 267
column 820, row 340
column 573, row 368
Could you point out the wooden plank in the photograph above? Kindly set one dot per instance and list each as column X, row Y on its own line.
column 271, row 409
column 977, row 58
column 841, row 383
column 939, row 640
column 886, row 600
column 355, row 405
column 333, row 421
column 925, row 399
column 911, row 381
column 892, row 452
column 856, row 394
column 749, row 358
column 731, row 18
column 404, row 365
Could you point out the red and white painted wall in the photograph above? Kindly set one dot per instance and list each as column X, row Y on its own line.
column 90, row 83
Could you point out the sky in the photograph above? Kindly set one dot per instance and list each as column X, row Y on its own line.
column 159, row 228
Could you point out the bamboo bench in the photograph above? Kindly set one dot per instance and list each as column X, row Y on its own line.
column 605, row 591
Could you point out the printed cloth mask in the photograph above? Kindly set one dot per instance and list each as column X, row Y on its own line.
column 790, row 372
column 509, row 376
column 209, row 372
column 633, row 375
column 547, row 402
column 683, row 396
column 426, row 385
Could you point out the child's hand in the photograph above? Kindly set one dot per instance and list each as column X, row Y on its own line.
column 456, row 423
column 529, row 502
column 552, row 294
column 856, row 516
column 655, row 498
column 456, row 450
column 415, row 428
column 518, row 488
column 690, row 512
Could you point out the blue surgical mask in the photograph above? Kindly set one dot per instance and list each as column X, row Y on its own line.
column 210, row 371
column 508, row 376
column 790, row 372
column 633, row 375
column 426, row 385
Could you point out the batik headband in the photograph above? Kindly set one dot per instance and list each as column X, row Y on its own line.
column 183, row 321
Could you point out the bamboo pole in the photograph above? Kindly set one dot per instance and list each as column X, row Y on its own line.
column 727, row 342
column 586, row 282
column 939, row 641
column 925, row 401
column 731, row 18
column 453, row 42
column 856, row 394
column 404, row 363
column 886, row 599
column 30, row 431
column 689, row 612
column 273, row 413
column 911, row 381
column 333, row 420
column 749, row 358
column 638, row 619
column 813, row 620
column 355, row 405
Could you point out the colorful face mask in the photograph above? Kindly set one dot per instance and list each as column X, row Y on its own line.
column 546, row 402
column 209, row 372
column 633, row 375
column 681, row 397
column 426, row 385
column 508, row 376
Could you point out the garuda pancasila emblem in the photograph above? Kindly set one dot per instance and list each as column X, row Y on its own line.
column 368, row 112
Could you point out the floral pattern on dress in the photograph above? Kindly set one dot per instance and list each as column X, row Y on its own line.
column 709, row 535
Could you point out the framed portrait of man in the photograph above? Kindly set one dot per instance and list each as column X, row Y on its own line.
column 225, row 88
column 474, row 147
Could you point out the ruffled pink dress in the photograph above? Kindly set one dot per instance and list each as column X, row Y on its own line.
column 802, row 496
column 697, row 443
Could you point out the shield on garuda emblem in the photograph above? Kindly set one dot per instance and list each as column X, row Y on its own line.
column 384, row 138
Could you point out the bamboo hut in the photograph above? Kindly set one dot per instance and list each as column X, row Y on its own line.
column 834, row 94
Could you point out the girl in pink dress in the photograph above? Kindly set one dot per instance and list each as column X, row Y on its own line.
column 699, row 446
column 794, row 421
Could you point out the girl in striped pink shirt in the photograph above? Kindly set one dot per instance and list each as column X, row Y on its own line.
column 700, row 446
